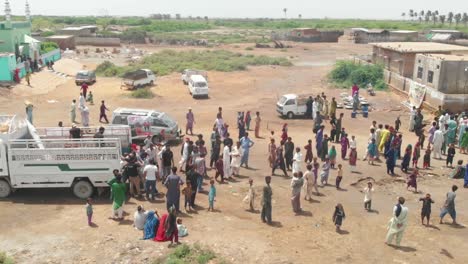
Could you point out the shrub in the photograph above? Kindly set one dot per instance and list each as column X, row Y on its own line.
column 144, row 93
column 5, row 259
column 346, row 73
column 249, row 48
column 190, row 254
column 48, row 47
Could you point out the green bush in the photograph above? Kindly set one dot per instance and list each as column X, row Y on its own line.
column 184, row 254
column 5, row 259
column 169, row 61
column 48, row 47
column 249, row 48
column 47, row 34
column 347, row 73
column 144, row 93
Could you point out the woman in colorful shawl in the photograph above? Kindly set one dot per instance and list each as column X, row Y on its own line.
column 247, row 120
column 161, row 233
column 416, row 154
column 284, row 134
column 464, row 141
column 170, row 225
column 151, row 225
column 406, row 158
column 332, row 156
column 319, row 142
column 371, row 152
column 353, row 159
column 344, row 146
column 272, row 153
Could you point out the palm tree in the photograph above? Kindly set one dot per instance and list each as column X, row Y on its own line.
column 434, row 17
column 300, row 16
column 411, row 13
column 403, row 15
column 428, row 16
column 436, row 13
column 285, row 10
column 442, row 19
column 458, row 18
column 450, row 17
column 421, row 13
column 465, row 18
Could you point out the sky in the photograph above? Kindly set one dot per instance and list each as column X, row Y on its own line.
column 365, row 9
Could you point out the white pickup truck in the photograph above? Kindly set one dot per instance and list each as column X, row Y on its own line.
column 292, row 105
column 29, row 161
column 138, row 79
column 187, row 73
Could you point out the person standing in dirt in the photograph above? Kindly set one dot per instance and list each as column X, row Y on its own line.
column 258, row 120
column 28, row 78
column 449, row 206
column 173, row 183
column 73, row 111
column 398, row 222
column 309, row 104
column 190, row 121
column 102, row 114
column 118, row 190
column 84, row 89
column 167, row 162
column 266, row 201
column 289, row 153
column 338, row 128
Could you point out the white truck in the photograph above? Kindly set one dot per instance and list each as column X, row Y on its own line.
column 292, row 105
column 138, row 79
column 29, row 161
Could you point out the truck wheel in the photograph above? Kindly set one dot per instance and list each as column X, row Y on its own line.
column 155, row 139
column 151, row 84
column 290, row 115
column 83, row 189
column 5, row 189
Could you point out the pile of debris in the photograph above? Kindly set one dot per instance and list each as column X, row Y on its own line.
column 347, row 101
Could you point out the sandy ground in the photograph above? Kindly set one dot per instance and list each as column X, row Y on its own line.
column 49, row 226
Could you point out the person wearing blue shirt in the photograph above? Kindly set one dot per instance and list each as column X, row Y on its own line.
column 246, row 144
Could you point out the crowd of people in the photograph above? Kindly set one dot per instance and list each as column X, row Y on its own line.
column 150, row 163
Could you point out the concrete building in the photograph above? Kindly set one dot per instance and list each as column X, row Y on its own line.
column 400, row 57
column 82, row 31
column 455, row 33
column 64, row 42
column 403, row 36
column 312, row 35
column 445, row 77
column 364, row 36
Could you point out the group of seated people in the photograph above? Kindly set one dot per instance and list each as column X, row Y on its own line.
column 159, row 228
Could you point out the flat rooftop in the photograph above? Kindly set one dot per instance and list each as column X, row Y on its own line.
column 449, row 57
column 60, row 37
column 419, row 47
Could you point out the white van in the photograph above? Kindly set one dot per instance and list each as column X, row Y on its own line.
column 292, row 105
column 198, row 86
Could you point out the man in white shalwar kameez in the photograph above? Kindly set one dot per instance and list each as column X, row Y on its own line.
column 184, row 155
column 437, row 142
column 227, row 161
column 314, row 109
column 297, row 161
column 398, row 222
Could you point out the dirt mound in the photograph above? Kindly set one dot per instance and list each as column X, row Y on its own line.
column 68, row 66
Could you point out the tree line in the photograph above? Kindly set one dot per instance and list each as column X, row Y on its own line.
column 436, row 17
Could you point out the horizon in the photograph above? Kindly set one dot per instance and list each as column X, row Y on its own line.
column 361, row 9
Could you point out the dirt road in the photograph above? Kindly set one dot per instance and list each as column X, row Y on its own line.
column 49, row 226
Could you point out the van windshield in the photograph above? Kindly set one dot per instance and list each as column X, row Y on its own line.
column 83, row 75
column 167, row 120
column 200, row 84
column 282, row 100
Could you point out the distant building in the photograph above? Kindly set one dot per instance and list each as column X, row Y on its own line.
column 455, row 33
column 403, row 35
column 446, row 79
column 441, row 38
column 313, row 35
column 400, row 57
column 82, row 31
column 13, row 35
column 364, row 36
column 63, row 41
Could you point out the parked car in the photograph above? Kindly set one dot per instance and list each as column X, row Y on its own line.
column 188, row 72
column 198, row 86
column 88, row 77
column 292, row 105
column 138, row 79
column 144, row 122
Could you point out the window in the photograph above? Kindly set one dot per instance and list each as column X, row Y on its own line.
column 158, row 123
column 420, row 72
column 438, row 66
column 430, row 76
column 290, row 102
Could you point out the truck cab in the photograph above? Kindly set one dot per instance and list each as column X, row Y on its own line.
column 138, row 79
column 291, row 105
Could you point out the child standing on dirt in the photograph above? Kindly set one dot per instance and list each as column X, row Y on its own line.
column 427, row 158
column 219, row 166
column 397, row 123
column 187, row 191
column 338, row 216
column 250, row 197
column 339, row 177
column 450, row 155
column 211, row 196
column 89, row 210
column 426, row 208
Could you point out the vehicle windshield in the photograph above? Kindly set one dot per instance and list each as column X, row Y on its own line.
column 282, row 100
column 83, row 75
column 200, row 84
column 169, row 121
